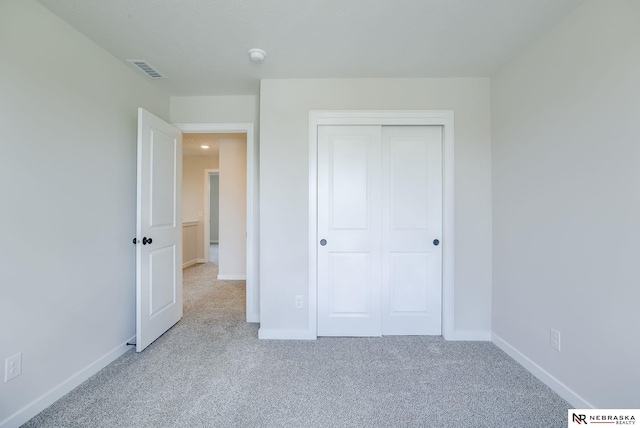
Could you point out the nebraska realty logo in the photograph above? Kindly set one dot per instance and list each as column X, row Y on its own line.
column 582, row 417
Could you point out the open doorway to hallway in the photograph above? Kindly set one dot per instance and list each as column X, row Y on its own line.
column 248, row 238
column 215, row 201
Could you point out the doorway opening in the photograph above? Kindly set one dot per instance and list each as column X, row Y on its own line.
column 235, row 142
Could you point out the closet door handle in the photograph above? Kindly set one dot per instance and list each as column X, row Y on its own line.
column 146, row 241
column 323, row 242
column 436, row 242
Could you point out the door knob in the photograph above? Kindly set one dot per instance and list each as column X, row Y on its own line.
column 436, row 242
column 135, row 241
column 146, row 241
column 323, row 242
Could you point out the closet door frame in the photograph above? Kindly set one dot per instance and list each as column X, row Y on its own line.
column 442, row 118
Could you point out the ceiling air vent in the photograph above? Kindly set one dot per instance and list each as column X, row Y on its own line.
column 144, row 66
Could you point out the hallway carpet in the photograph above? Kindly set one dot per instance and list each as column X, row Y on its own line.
column 210, row 370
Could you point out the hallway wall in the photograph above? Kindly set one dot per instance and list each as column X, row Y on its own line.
column 233, row 208
column 193, row 176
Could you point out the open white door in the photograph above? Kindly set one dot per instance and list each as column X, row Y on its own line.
column 159, row 228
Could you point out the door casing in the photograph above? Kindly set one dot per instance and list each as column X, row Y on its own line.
column 207, row 208
column 443, row 118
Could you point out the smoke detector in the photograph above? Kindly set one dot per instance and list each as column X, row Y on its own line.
column 257, row 55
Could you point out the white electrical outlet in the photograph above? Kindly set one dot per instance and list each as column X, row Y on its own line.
column 554, row 339
column 299, row 302
column 13, row 367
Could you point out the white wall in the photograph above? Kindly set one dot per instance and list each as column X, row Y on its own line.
column 233, row 208
column 215, row 109
column 190, row 244
column 67, row 179
column 193, row 177
column 284, row 147
column 566, row 174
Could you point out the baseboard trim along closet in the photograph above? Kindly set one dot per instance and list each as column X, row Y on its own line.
column 278, row 334
column 473, row 336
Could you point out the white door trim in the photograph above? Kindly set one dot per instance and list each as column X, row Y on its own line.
column 253, row 290
column 207, row 210
column 442, row 118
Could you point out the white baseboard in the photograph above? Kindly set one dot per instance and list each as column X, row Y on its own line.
column 474, row 336
column 233, row 277
column 558, row 387
column 254, row 317
column 50, row 397
column 263, row 333
column 278, row 334
column 193, row 262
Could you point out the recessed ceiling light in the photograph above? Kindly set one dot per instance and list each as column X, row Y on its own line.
column 204, row 147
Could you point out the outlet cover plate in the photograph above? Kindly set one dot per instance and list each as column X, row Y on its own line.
column 13, row 367
column 554, row 339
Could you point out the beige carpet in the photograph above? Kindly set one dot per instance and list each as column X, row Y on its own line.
column 210, row 370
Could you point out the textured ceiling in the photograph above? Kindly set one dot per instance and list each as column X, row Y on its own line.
column 201, row 45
